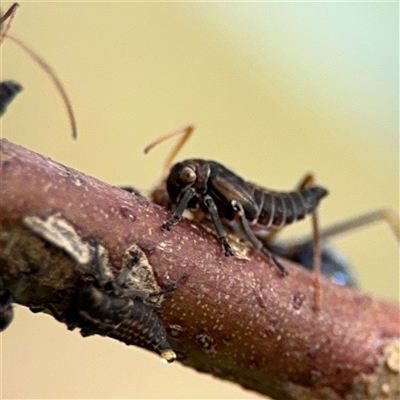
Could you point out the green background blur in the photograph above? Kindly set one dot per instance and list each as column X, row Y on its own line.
column 274, row 89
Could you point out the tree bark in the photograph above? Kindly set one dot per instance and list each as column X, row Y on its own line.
column 235, row 318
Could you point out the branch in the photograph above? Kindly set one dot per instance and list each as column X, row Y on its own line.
column 237, row 319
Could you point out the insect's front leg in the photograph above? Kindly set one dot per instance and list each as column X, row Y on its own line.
column 256, row 243
column 221, row 235
column 182, row 205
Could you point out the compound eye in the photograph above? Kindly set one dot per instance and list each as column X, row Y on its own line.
column 187, row 175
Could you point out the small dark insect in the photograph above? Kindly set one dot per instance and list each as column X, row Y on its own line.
column 107, row 308
column 215, row 191
column 208, row 186
column 5, row 23
column 184, row 179
column 8, row 90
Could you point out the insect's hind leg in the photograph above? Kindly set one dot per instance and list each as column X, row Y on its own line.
column 309, row 180
column 256, row 243
column 360, row 221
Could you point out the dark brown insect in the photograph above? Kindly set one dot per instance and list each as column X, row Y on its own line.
column 212, row 188
column 126, row 318
column 107, row 308
column 254, row 211
column 5, row 23
column 228, row 200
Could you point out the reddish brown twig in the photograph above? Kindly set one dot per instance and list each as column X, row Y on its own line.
column 235, row 318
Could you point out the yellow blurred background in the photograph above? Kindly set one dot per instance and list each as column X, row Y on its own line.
column 274, row 89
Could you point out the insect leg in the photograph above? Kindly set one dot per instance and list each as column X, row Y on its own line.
column 183, row 203
column 221, row 235
column 359, row 221
column 256, row 243
column 308, row 180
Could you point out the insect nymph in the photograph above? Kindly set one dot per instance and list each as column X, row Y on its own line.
column 107, row 308
column 217, row 192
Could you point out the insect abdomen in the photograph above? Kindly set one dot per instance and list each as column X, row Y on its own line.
column 145, row 328
column 149, row 327
column 280, row 209
column 125, row 319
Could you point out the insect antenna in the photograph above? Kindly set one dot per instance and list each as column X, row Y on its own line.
column 53, row 76
column 359, row 221
column 185, row 131
column 10, row 14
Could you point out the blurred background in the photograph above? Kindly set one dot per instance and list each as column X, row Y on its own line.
column 274, row 89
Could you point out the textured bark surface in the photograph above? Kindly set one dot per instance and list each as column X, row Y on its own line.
column 235, row 318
